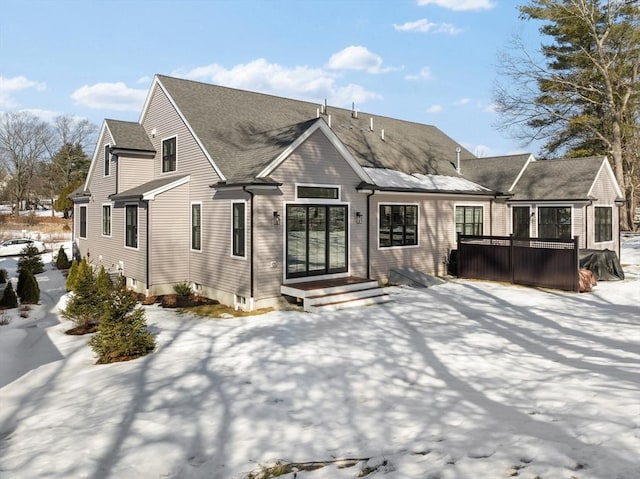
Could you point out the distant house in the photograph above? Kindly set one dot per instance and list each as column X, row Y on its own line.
column 241, row 194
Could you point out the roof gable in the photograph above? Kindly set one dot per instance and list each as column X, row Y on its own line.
column 244, row 133
column 499, row 173
column 565, row 179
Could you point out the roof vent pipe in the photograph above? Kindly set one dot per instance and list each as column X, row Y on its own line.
column 329, row 120
column 382, row 134
column 371, row 124
column 458, row 150
column 317, row 112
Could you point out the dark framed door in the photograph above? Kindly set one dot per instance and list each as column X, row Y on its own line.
column 316, row 240
column 521, row 222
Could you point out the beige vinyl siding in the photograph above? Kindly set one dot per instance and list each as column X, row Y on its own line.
column 170, row 237
column 500, row 219
column 209, row 267
column 133, row 172
column 605, row 193
column 436, row 233
column 100, row 187
column 316, row 161
column 214, row 267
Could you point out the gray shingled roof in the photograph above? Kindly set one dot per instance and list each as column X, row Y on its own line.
column 138, row 192
column 129, row 135
column 497, row 173
column 565, row 179
column 245, row 131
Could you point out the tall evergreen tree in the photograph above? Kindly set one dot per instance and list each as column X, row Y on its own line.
column 583, row 98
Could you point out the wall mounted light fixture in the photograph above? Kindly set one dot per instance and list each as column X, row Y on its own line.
column 276, row 218
column 358, row 217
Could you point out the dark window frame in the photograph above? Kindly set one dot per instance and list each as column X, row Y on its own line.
column 169, row 154
column 317, row 192
column 131, row 227
column 106, row 225
column 196, row 227
column 603, row 225
column 83, row 222
column 552, row 222
column 398, row 225
column 472, row 227
column 107, row 160
column 238, row 229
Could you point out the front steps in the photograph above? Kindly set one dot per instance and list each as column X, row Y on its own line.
column 331, row 295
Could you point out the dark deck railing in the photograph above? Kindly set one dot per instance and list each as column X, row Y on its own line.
column 542, row 262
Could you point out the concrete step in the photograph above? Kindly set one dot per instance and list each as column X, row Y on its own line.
column 353, row 299
column 292, row 290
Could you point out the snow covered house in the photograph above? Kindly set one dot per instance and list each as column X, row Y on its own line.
column 246, row 195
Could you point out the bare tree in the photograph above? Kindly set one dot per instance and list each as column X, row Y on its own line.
column 24, row 140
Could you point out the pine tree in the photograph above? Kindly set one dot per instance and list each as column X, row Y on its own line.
column 62, row 260
column 103, row 283
column 122, row 331
column 29, row 289
column 3, row 276
column 85, row 304
column 72, row 276
column 9, row 298
column 31, row 260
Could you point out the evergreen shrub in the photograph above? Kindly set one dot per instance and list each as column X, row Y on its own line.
column 122, row 331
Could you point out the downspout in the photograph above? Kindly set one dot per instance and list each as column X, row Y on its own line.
column 373, row 192
column 251, row 272
column 148, row 255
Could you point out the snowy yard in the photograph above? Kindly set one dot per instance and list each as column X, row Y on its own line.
column 464, row 380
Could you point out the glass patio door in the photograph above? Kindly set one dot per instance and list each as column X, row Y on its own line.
column 316, row 240
column 521, row 222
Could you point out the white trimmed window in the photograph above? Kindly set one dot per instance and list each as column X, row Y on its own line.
column 83, row 222
column 469, row 220
column 106, row 220
column 398, row 225
column 107, row 160
column 603, row 217
column 238, row 229
column 554, row 222
column 196, row 226
column 131, row 226
column 169, row 162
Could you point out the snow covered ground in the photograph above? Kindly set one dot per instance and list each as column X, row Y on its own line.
column 464, row 380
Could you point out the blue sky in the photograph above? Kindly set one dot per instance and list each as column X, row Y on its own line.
column 428, row 61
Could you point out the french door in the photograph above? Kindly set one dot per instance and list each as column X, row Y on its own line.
column 316, row 240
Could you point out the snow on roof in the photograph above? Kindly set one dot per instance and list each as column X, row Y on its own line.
column 386, row 178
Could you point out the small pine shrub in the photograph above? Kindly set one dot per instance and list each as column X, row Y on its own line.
column 9, row 298
column 85, row 305
column 3, row 276
column 103, row 283
column 31, row 260
column 62, row 260
column 29, row 290
column 72, row 276
column 182, row 289
column 122, row 331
